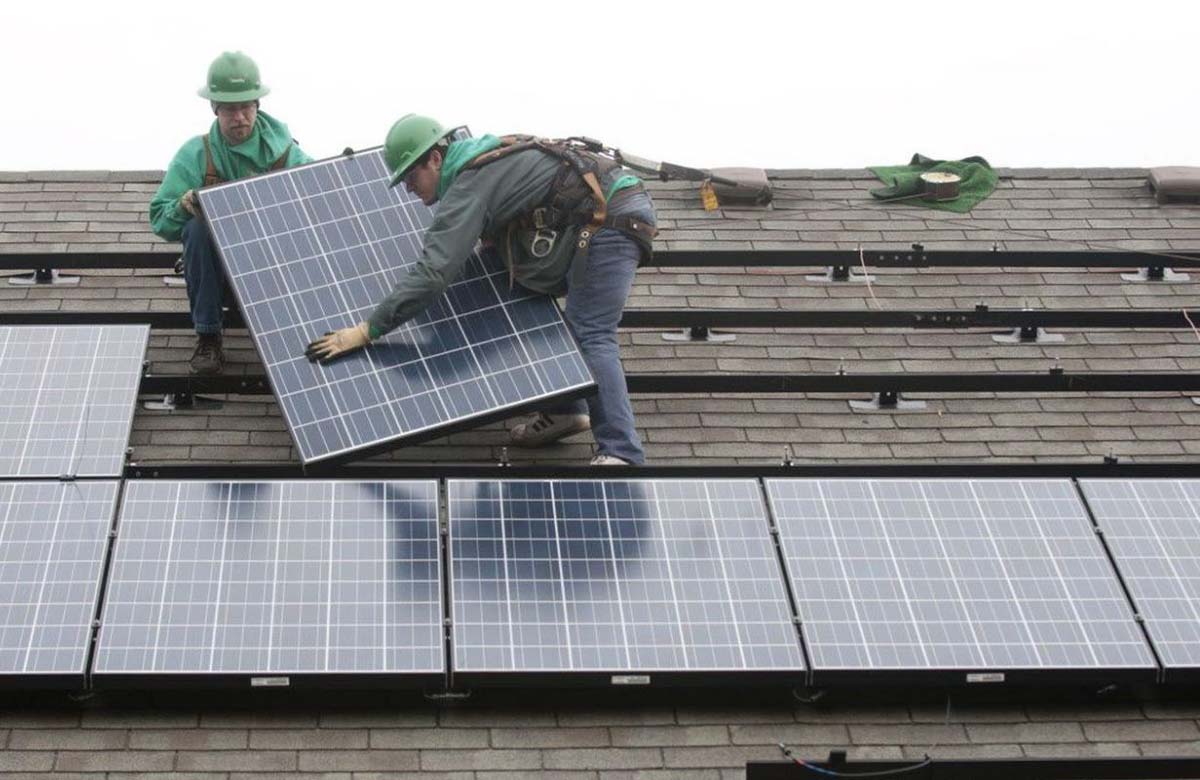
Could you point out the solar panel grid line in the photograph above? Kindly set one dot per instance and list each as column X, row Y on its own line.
column 1054, row 560
column 1050, row 563
column 39, row 600
column 680, row 633
column 295, row 577
column 957, row 586
column 641, row 590
column 329, row 216
column 38, row 395
column 1017, row 601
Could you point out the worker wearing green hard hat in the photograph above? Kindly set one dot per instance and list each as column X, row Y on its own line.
column 564, row 217
column 242, row 141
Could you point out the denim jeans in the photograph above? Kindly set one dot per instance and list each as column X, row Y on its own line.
column 594, row 306
column 204, row 276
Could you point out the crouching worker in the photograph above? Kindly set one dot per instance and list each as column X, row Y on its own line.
column 563, row 219
column 242, row 141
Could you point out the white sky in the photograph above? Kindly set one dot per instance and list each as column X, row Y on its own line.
column 111, row 85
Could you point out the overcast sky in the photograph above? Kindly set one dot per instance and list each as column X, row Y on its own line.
column 91, row 85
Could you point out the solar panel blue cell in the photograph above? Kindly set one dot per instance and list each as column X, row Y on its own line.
column 53, row 537
column 314, row 249
column 952, row 574
column 67, row 396
column 300, row 577
column 1153, row 530
column 616, row 576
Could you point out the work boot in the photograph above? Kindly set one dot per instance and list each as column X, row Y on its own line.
column 545, row 428
column 208, row 357
column 609, row 460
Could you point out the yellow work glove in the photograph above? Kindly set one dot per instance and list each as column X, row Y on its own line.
column 187, row 201
column 339, row 342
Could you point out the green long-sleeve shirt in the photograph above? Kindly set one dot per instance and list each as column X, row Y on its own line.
column 255, row 155
column 480, row 202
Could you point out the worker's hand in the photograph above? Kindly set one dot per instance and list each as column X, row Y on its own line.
column 188, row 202
column 339, row 342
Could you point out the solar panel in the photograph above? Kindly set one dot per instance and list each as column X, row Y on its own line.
column 274, row 578
column 53, row 537
column 990, row 575
column 313, row 249
column 616, row 577
column 67, row 396
column 1153, row 529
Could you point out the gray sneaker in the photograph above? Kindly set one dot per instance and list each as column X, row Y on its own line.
column 546, row 428
column 208, row 358
column 609, row 460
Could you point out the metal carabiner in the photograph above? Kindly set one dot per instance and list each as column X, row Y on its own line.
column 543, row 242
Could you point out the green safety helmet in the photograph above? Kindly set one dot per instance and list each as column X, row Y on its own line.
column 409, row 138
column 232, row 78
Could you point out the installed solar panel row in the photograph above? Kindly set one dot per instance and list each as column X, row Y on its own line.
column 619, row 578
column 616, row 576
column 952, row 575
column 314, row 249
column 251, row 578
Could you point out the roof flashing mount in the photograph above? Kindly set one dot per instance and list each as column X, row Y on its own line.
column 43, row 276
column 887, row 401
column 1155, row 273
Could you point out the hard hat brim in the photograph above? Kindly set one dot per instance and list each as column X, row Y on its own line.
column 232, row 97
column 416, row 155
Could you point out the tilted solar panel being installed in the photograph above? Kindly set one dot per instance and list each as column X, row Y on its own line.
column 638, row 579
column 53, row 539
column 313, row 249
column 67, row 397
column 974, row 580
column 306, row 579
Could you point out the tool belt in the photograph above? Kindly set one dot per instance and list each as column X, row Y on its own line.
column 576, row 198
column 211, row 176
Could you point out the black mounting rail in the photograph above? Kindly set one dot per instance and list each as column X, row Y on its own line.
column 913, row 257
column 1131, row 768
column 1096, row 468
column 733, row 319
column 1052, row 381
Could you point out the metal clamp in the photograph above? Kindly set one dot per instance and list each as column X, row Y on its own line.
column 543, row 242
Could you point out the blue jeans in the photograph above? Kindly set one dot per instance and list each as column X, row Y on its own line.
column 594, row 305
column 204, row 276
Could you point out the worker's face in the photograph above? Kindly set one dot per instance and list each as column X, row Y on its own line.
column 236, row 120
column 422, row 180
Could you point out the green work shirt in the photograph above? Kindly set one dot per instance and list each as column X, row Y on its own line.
column 480, row 203
column 255, row 155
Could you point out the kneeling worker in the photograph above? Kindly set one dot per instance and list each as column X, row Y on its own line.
column 563, row 218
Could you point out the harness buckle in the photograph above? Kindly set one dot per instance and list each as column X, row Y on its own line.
column 538, row 218
column 543, row 242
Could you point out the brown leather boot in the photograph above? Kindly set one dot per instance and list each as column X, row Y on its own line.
column 208, row 358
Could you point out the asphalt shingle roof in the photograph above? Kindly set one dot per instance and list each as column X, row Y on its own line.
column 585, row 737
column 1061, row 209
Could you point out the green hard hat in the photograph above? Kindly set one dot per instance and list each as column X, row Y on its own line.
column 409, row 138
column 232, row 78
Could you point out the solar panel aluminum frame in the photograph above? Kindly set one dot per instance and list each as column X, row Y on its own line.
column 325, row 463
column 268, row 681
column 979, row 679
column 633, row 679
column 77, row 679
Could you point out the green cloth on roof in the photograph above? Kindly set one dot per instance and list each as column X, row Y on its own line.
column 903, row 181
